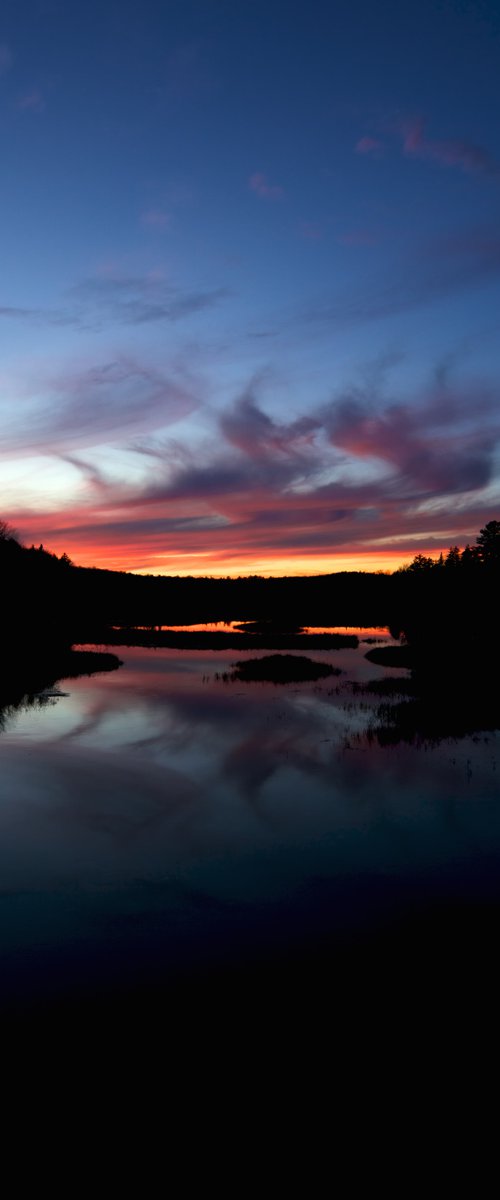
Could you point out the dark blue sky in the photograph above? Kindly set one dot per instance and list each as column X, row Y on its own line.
column 250, row 279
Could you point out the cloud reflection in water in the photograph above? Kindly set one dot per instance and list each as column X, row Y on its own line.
column 159, row 807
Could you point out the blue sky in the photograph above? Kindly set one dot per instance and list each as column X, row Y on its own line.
column 250, row 273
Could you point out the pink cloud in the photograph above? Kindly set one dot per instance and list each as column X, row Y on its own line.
column 31, row 102
column 451, row 153
column 369, row 145
column 259, row 184
column 428, row 447
column 258, row 490
column 155, row 218
column 247, row 427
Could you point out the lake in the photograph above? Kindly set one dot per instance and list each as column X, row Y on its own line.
column 167, row 818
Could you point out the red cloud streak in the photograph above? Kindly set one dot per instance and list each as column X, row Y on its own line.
column 357, row 483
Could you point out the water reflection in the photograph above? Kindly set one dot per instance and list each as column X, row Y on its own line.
column 160, row 815
column 258, row 627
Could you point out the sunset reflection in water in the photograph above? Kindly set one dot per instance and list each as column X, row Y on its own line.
column 163, row 815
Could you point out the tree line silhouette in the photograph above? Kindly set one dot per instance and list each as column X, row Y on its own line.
column 46, row 596
column 443, row 611
column 486, row 552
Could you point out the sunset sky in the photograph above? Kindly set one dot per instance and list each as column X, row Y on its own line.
column 250, row 278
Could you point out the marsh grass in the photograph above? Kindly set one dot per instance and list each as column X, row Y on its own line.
column 278, row 668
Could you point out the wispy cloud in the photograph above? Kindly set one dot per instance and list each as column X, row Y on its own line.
column 156, row 218
column 257, row 435
column 434, row 448
column 115, row 299
column 137, row 300
column 369, row 145
column 439, row 268
column 259, row 184
column 32, row 101
column 449, row 153
column 23, row 314
column 347, row 477
column 38, row 316
column 106, row 402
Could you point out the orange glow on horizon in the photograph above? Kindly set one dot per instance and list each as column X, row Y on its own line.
column 278, row 566
column 205, row 565
column 159, row 554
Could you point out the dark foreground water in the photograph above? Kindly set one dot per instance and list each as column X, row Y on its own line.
column 163, row 823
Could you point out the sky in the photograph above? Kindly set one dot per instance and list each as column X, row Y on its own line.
column 250, row 281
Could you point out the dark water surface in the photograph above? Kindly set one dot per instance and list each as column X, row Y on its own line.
column 162, row 819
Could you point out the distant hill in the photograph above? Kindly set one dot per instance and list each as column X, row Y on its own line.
column 48, row 597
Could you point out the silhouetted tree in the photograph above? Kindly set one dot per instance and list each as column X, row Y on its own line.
column 421, row 563
column 7, row 533
column 453, row 557
column 488, row 541
column 471, row 556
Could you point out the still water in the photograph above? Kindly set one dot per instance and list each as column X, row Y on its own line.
column 162, row 816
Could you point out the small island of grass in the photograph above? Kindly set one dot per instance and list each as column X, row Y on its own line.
column 281, row 668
